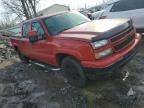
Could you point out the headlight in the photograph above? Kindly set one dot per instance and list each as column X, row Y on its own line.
column 99, row 44
column 104, row 53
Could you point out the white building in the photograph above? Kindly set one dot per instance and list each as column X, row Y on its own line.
column 53, row 9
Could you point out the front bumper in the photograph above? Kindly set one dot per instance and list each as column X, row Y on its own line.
column 114, row 58
column 92, row 71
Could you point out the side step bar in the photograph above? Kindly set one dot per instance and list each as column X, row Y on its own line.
column 48, row 67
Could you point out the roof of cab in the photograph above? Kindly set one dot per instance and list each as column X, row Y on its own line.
column 45, row 16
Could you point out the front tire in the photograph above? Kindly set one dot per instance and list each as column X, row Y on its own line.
column 73, row 72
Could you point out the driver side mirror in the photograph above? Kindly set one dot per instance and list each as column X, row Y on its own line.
column 33, row 36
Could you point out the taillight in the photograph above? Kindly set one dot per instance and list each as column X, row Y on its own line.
column 103, row 17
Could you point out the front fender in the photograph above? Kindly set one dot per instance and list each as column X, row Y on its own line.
column 69, row 52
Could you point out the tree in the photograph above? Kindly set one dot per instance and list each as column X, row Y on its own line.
column 33, row 4
column 22, row 8
column 7, row 22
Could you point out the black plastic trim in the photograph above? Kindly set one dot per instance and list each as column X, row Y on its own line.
column 112, row 32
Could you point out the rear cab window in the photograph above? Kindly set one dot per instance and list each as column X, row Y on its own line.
column 125, row 5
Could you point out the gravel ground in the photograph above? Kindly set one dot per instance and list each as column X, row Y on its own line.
column 30, row 86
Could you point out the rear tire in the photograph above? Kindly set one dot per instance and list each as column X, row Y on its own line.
column 73, row 72
column 23, row 58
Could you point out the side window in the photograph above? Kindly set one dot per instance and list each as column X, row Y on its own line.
column 122, row 5
column 25, row 29
column 36, row 26
column 125, row 5
column 138, row 4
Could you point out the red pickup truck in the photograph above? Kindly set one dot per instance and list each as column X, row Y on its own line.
column 83, row 49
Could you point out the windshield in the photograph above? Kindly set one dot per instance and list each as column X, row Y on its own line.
column 61, row 22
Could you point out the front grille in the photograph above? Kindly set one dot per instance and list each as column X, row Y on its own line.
column 125, row 37
column 121, row 35
column 123, row 44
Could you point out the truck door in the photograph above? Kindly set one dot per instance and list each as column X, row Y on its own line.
column 25, row 45
column 42, row 48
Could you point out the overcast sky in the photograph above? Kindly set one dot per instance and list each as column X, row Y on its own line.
column 72, row 3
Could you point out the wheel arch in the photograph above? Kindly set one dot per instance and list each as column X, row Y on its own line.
column 60, row 57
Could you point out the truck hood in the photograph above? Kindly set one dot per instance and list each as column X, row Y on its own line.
column 96, row 30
